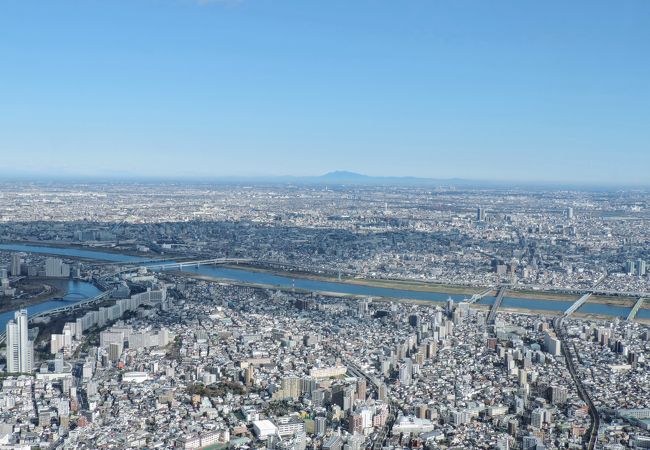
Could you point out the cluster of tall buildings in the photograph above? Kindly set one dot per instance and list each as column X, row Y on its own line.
column 637, row 267
column 56, row 268
column 51, row 268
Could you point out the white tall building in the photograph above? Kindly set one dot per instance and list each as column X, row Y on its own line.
column 55, row 268
column 20, row 350
column 16, row 264
column 552, row 344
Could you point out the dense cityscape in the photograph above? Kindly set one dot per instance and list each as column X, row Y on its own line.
column 324, row 225
column 324, row 315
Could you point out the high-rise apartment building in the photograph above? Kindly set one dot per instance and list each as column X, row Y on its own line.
column 54, row 267
column 16, row 264
column 20, row 350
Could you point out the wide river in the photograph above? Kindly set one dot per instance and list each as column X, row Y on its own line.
column 73, row 291
column 250, row 276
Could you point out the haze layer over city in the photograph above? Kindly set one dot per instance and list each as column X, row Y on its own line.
column 324, row 225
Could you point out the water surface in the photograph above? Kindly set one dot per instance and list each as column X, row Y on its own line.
column 250, row 276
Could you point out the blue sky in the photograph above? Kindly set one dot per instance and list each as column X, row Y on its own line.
column 506, row 90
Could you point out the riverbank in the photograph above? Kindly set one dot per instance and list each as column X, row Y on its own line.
column 418, row 286
column 484, row 307
column 423, row 286
column 50, row 291
column 44, row 245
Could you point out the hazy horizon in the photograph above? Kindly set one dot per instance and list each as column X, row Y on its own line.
column 500, row 91
column 338, row 177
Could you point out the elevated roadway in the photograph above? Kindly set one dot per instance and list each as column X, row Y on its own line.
column 635, row 309
column 476, row 297
column 495, row 307
column 573, row 308
column 66, row 307
column 592, row 434
column 203, row 262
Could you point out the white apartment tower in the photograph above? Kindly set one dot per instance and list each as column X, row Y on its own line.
column 20, row 350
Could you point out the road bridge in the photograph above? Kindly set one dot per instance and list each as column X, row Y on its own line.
column 573, row 308
column 582, row 300
column 203, row 262
column 69, row 307
column 135, row 262
column 72, row 306
column 476, row 297
column 497, row 303
column 635, row 309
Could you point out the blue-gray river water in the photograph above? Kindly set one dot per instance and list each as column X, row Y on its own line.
column 249, row 276
column 73, row 291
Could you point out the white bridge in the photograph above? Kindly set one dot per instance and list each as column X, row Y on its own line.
column 476, row 297
column 204, row 262
column 492, row 315
column 635, row 309
column 573, row 308
column 582, row 300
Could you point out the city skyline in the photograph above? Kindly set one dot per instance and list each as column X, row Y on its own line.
column 296, row 316
column 341, row 225
column 549, row 92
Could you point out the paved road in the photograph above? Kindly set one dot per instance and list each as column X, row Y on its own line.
column 582, row 392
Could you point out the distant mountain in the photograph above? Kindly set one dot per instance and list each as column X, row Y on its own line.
column 346, row 177
column 343, row 175
column 337, row 177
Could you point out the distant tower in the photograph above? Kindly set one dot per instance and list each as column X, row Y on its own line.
column 480, row 214
column 640, row 267
column 20, row 350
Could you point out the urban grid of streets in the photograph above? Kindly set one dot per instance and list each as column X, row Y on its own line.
column 173, row 361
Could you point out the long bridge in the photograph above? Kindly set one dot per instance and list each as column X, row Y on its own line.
column 495, row 307
column 476, row 297
column 73, row 306
column 203, row 262
column 582, row 300
column 573, row 308
column 66, row 307
column 635, row 309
